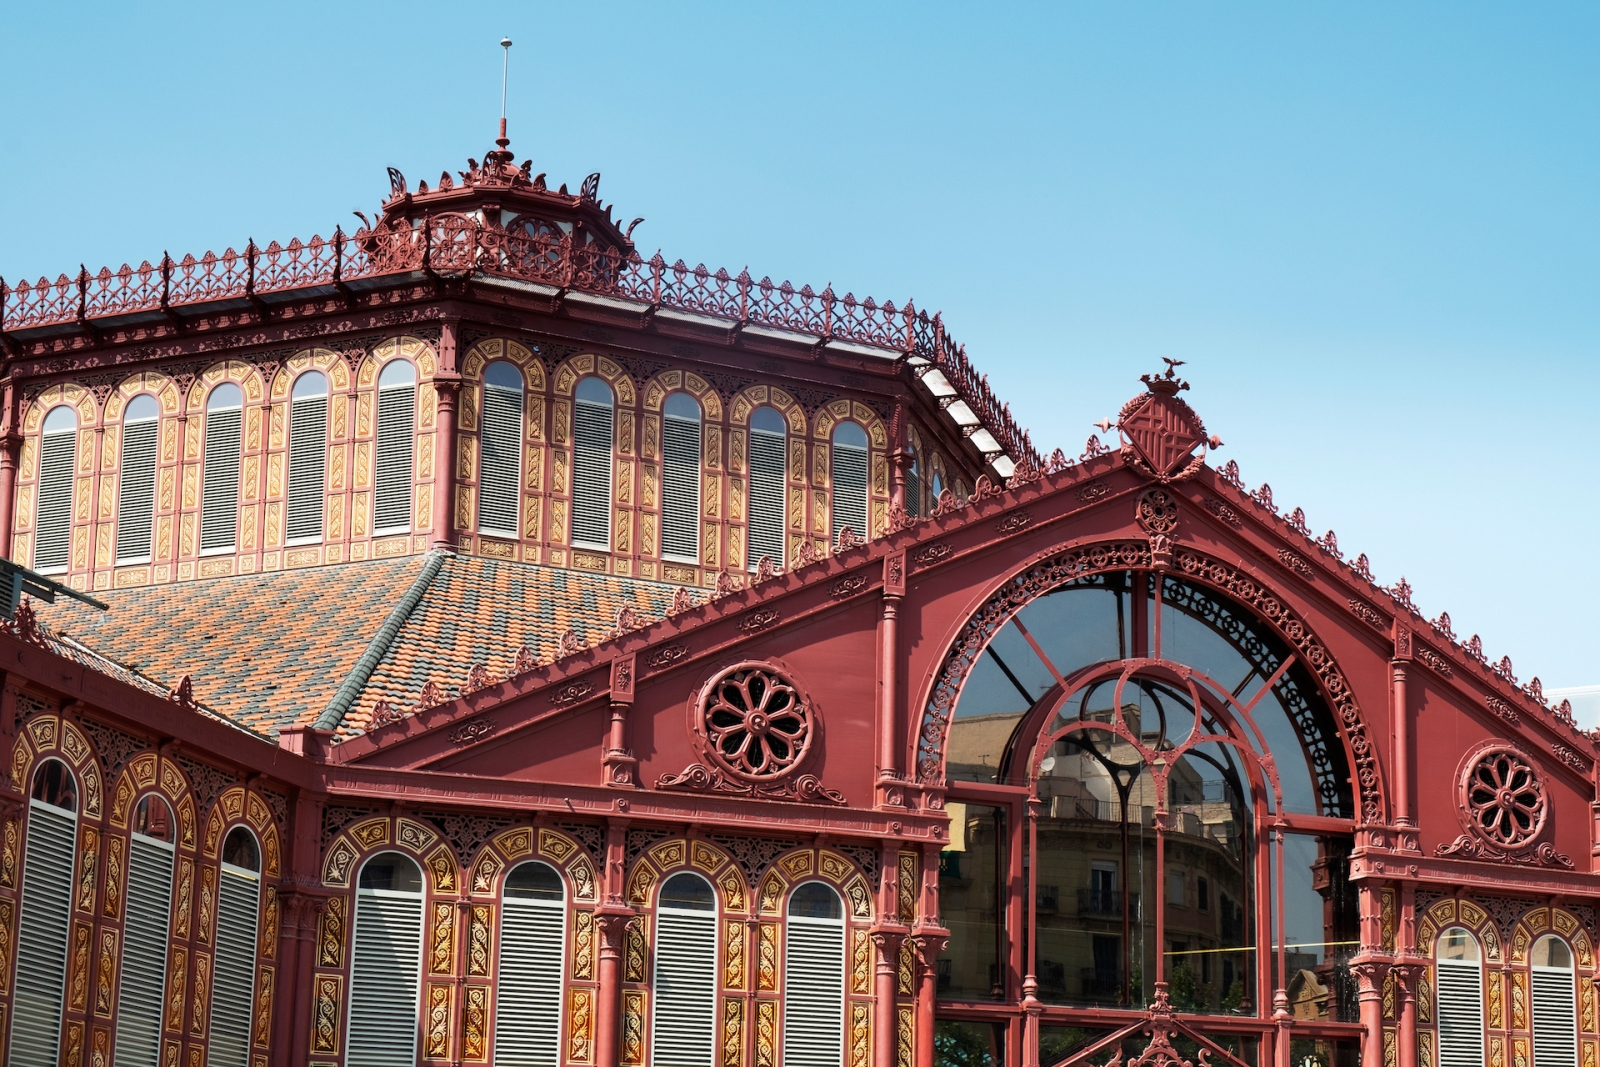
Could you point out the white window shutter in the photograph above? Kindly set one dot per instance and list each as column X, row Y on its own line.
column 219, row 485
column 385, row 976
column 392, row 475
column 41, row 974
column 680, row 488
column 1555, row 1018
column 52, row 523
column 593, row 430
column 684, row 1033
column 500, row 465
column 308, row 465
column 143, row 981
column 813, row 993
column 527, row 1025
column 1460, row 1013
column 768, row 496
column 136, row 495
column 849, row 490
column 233, row 977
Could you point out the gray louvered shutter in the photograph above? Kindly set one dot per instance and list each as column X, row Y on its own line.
column 136, row 496
column 52, row 523
column 1555, row 1018
column 1460, row 1014
column 685, row 1022
column 219, row 487
column 768, row 496
column 680, row 488
column 308, row 465
column 397, row 415
column 593, row 430
column 42, row 936
column 913, row 504
column 143, row 982
column 849, row 490
column 500, row 469
column 233, row 978
column 813, row 993
column 527, row 1024
column 385, row 975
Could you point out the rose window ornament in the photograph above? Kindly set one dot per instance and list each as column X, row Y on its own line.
column 756, row 724
column 1503, row 798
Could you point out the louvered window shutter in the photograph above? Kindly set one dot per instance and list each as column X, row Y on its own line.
column 527, row 1027
column 685, row 1024
column 234, row 974
column 1555, row 1018
column 500, row 470
column 42, row 936
column 58, row 454
column 1460, row 1014
column 680, row 488
column 385, row 973
column 397, row 413
column 913, row 503
column 849, row 489
column 308, row 465
column 768, row 496
column 593, row 430
column 136, row 496
column 143, row 982
column 813, row 993
column 219, row 491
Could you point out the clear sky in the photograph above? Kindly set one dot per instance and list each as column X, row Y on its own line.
column 1371, row 230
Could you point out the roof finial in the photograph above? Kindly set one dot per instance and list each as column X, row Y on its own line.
column 503, row 154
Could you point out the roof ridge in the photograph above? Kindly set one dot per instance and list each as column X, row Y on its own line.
column 332, row 715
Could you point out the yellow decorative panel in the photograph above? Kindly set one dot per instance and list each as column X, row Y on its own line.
column 327, row 997
column 860, row 962
column 442, row 939
column 583, row 945
column 261, row 1026
column 767, row 957
column 732, row 1031
column 767, row 1033
column 903, row 1036
column 733, row 967
column 479, row 937
column 636, row 952
column 633, row 1016
column 202, row 995
column 474, row 1038
column 1519, row 1000
column 436, row 1024
column 860, row 1034
column 580, row 1025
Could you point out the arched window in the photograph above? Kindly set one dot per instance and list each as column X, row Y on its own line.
column 849, row 475
column 685, row 1021
column 593, row 431
column 308, row 457
column 1460, row 986
column 386, row 963
column 47, row 869
column 680, row 479
column 768, row 479
column 1555, row 1004
column 813, row 981
column 52, row 524
column 234, row 975
column 141, row 991
column 500, row 465
column 219, row 482
column 935, row 486
column 136, row 493
column 392, row 476
column 533, row 937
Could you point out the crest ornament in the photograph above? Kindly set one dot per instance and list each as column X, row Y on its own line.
column 1503, row 806
column 1162, row 437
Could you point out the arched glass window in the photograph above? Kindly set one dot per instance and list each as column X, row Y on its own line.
column 813, row 982
column 52, row 524
column 593, row 431
column 533, row 937
column 308, row 457
column 849, row 473
column 392, row 469
column 386, row 963
column 234, row 974
column 680, row 479
column 47, row 870
column 1460, row 993
column 1555, row 1004
column 219, row 482
column 685, row 1019
column 935, row 486
column 136, row 491
column 500, row 464
column 768, row 485
column 142, row 989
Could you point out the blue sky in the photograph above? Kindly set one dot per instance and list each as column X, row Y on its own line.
column 1370, row 230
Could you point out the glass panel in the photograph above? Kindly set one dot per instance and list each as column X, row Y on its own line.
column 1325, row 1052
column 961, row 1043
column 1321, row 928
column 392, row 872
column 972, row 891
column 240, row 850
column 688, row 891
column 1056, row 1043
column 534, row 881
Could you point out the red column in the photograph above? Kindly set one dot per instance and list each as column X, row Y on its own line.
column 1406, row 975
column 1369, row 985
column 613, row 929
column 10, row 446
column 885, row 1026
column 444, row 463
column 1400, row 710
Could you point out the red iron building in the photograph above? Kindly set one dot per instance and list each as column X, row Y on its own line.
column 520, row 651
